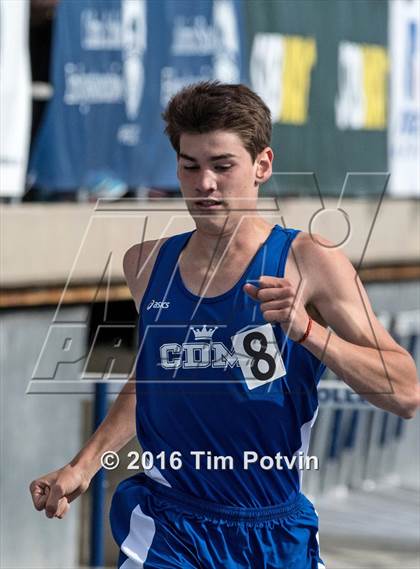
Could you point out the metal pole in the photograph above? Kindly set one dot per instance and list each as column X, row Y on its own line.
column 98, row 487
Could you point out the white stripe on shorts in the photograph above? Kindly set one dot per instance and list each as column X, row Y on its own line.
column 137, row 543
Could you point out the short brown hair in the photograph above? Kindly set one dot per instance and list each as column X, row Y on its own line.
column 211, row 105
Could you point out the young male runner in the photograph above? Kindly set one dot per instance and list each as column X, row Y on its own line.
column 232, row 328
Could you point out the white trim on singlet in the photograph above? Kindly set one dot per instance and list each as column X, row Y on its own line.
column 155, row 474
column 305, row 436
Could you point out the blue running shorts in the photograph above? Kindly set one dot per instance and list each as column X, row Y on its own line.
column 158, row 527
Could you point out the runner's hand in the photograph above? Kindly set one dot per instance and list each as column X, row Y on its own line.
column 54, row 491
column 279, row 303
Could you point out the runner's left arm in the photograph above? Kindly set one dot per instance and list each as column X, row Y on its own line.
column 358, row 349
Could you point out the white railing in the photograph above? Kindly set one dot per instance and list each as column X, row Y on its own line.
column 357, row 444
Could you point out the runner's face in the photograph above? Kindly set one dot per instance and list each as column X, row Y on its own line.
column 216, row 167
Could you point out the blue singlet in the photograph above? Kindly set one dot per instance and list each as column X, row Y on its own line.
column 219, row 389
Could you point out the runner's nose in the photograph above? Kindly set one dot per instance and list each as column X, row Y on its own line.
column 206, row 183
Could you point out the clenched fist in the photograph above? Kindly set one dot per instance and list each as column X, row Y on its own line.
column 54, row 491
column 278, row 303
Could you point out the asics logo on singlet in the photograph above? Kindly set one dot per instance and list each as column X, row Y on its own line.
column 158, row 304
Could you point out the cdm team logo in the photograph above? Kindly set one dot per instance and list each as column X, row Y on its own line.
column 255, row 351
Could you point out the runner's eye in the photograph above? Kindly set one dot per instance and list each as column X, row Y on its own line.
column 222, row 167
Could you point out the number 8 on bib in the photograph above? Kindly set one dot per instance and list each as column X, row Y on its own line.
column 258, row 355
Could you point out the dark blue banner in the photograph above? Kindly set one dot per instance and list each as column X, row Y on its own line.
column 115, row 65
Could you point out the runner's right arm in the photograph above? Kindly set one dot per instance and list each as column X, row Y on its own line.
column 55, row 491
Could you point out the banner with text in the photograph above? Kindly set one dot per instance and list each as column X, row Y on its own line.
column 403, row 134
column 116, row 63
column 323, row 71
column 15, row 97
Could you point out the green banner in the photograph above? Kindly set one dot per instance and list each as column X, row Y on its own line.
column 322, row 67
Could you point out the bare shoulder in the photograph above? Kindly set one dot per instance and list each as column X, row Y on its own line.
column 305, row 241
column 138, row 264
column 337, row 293
column 316, row 255
column 322, row 266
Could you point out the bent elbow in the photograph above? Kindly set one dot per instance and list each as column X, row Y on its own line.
column 408, row 408
column 408, row 413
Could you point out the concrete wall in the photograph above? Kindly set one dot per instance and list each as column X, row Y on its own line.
column 39, row 433
column 74, row 243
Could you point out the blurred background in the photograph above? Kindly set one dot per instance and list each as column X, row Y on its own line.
column 86, row 171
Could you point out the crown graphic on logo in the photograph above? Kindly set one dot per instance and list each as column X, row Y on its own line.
column 205, row 333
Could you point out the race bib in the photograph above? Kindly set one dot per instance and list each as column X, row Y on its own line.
column 258, row 355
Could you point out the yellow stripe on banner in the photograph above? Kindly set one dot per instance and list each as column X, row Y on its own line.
column 279, row 84
column 375, row 74
column 299, row 58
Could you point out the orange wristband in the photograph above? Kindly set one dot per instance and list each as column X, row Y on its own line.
column 306, row 334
